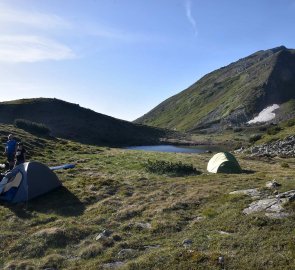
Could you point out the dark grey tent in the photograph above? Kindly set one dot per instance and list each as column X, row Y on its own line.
column 28, row 181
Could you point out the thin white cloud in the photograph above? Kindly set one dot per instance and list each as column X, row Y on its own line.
column 14, row 49
column 33, row 19
column 33, row 36
column 190, row 17
column 28, row 36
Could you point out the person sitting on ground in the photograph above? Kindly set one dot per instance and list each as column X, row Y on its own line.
column 10, row 149
column 20, row 155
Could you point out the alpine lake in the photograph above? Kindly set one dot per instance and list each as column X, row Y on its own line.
column 198, row 149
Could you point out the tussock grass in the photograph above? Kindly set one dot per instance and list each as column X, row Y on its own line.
column 148, row 213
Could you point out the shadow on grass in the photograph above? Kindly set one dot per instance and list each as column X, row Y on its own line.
column 60, row 201
column 248, row 171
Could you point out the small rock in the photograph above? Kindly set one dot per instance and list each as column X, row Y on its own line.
column 107, row 233
column 152, row 246
column 126, row 253
column 117, row 238
column 199, row 218
column 221, row 261
column 49, row 231
column 277, row 207
column 113, row 265
column 92, row 188
column 287, row 194
column 260, row 205
column 224, row 233
column 141, row 225
column 273, row 184
column 103, row 235
column 254, row 192
column 196, row 220
column 187, row 242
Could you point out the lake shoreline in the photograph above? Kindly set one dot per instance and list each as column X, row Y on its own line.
column 185, row 142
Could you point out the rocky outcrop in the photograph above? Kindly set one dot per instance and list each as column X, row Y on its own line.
column 283, row 148
column 272, row 206
column 253, row 192
column 269, row 205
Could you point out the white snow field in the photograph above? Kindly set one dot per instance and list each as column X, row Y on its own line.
column 265, row 115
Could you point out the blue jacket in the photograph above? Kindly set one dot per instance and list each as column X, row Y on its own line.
column 10, row 147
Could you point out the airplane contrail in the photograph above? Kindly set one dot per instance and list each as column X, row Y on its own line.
column 190, row 17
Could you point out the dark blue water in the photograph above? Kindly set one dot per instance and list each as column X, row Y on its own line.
column 178, row 149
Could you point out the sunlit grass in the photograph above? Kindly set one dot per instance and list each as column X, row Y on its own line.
column 148, row 213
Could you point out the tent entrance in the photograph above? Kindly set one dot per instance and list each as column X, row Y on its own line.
column 10, row 185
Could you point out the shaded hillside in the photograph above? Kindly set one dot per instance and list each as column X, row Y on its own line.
column 230, row 95
column 67, row 120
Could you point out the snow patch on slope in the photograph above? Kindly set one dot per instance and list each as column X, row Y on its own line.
column 265, row 115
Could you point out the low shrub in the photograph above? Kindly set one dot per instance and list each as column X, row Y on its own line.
column 237, row 129
column 273, row 130
column 260, row 221
column 166, row 167
column 254, row 137
column 52, row 261
column 285, row 165
column 32, row 127
column 209, row 212
column 91, row 251
column 290, row 123
column 263, row 128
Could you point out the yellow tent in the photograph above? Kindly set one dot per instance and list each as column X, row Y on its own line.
column 223, row 162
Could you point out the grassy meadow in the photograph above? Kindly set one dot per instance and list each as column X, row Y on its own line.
column 153, row 220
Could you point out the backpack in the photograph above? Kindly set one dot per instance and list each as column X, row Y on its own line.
column 10, row 147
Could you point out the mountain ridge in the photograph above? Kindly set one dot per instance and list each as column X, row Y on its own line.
column 70, row 121
column 230, row 95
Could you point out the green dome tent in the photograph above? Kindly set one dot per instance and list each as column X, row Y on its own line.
column 223, row 162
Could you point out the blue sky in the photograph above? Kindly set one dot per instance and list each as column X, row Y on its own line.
column 123, row 57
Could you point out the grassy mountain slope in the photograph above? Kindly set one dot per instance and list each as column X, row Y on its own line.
column 148, row 214
column 231, row 94
column 73, row 122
